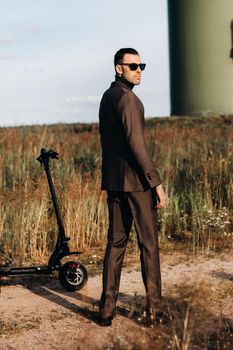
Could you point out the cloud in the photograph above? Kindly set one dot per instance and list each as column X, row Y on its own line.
column 83, row 100
column 6, row 41
column 32, row 28
column 33, row 69
column 72, row 99
column 147, row 88
column 78, row 108
column 8, row 57
column 94, row 99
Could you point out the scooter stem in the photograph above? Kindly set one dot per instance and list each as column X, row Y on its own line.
column 44, row 160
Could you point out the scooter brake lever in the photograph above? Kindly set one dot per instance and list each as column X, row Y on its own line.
column 52, row 154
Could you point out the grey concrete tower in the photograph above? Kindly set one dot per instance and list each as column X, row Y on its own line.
column 201, row 56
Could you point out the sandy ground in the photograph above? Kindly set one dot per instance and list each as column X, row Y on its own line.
column 37, row 313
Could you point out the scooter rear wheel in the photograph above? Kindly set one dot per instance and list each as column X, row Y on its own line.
column 73, row 275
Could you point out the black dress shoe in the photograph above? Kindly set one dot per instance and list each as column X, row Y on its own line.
column 105, row 322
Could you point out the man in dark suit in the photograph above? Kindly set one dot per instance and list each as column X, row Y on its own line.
column 133, row 185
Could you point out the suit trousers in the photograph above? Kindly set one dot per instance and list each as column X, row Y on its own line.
column 124, row 209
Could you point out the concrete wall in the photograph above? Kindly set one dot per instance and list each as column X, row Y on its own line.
column 201, row 66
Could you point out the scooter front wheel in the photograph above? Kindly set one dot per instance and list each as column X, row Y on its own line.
column 73, row 275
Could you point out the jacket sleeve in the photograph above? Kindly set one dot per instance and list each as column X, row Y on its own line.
column 131, row 113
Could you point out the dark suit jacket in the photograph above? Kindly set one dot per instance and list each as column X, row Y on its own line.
column 126, row 164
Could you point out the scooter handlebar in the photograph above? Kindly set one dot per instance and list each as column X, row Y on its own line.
column 45, row 154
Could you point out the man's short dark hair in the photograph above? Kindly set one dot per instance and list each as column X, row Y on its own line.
column 120, row 54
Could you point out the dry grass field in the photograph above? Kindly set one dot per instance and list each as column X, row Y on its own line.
column 194, row 158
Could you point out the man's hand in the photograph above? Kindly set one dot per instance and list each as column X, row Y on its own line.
column 161, row 196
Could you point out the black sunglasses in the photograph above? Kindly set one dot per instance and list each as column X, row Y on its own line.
column 134, row 66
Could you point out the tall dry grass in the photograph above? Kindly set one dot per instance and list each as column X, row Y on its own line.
column 195, row 158
column 193, row 155
column 28, row 227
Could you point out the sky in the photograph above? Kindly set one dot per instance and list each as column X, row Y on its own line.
column 56, row 57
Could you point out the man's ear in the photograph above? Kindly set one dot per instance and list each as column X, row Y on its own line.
column 118, row 69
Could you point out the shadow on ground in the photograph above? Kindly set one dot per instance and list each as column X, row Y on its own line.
column 185, row 321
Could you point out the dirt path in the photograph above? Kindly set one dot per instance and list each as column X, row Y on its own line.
column 39, row 316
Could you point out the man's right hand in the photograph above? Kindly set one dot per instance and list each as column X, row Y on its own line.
column 161, row 197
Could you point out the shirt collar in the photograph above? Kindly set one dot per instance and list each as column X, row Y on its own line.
column 124, row 81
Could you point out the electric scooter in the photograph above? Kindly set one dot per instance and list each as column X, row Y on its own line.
column 72, row 274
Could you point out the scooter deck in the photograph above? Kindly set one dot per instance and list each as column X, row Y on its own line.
column 15, row 271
